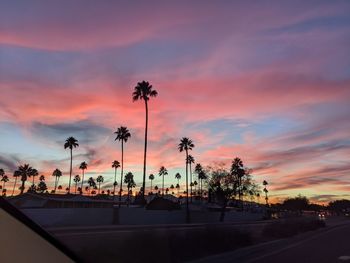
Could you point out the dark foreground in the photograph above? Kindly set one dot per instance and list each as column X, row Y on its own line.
column 327, row 245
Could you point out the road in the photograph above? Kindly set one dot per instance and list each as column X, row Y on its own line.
column 323, row 246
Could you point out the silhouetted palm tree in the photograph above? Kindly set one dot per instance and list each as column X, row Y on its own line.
column 151, row 177
column 178, row 177
column 265, row 183
column 163, row 171
column 100, row 180
column 57, row 174
column 172, row 188
column 76, row 180
column 59, row 188
column 238, row 171
column 186, row 145
column 143, row 91
column 115, row 165
column 91, row 183
column 71, row 143
column 25, row 171
column 123, row 135
column 16, row 174
column 129, row 180
column 83, row 166
column 178, row 188
column 156, row 188
column 33, row 174
column 190, row 160
column 4, row 179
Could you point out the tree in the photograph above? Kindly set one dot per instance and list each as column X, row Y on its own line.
column 100, row 180
column 172, row 188
column 156, row 188
column 24, row 172
column 163, row 171
column 238, row 171
column 57, row 174
column 41, row 186
column 129, row 180
column 42, row 178
column 178, row 177
column 59, row 188
column 144, row 91
column 71, row 143
column 91, row 182
column 115, row 165
column 151, row 177
column 123, row 135
column 186, row 145
column 16, row 174
column 190, row 160
column 83, row 166
column 4, row 179
column 76, row 181
column 33, row 174
column 265, row 183
column 178, row 188
column 298, row 203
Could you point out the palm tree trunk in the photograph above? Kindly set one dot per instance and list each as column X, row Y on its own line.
column 128, row 196
column 22, row 187
column 145, row 154
column 151, row 185
column 14, row 186
column 115, row 179
column 82, row 180
column 99, row 187
column 163, row 186
column 70, row 171
column 190, row 180
column 33, row 179
column 121, row 175
column 75, row 191
column 187, row 206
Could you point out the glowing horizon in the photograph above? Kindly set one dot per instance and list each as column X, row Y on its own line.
column 267, row 82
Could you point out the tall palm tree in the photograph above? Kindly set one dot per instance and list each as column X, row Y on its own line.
column 16, row 174
column 4, row 179
column 186, row 145
column 76, row 181
column 163, row 171
column 115, row 165
column 238, row 171
column 144, row 91
column 71, row 143
column 123, row 134
column 25, row 171
column 33, row 174
column 100, row 180
column 151, row 177
column 83, row 166
column 265, row 183
column 130, row 183
column 201, row 176
column 57, row 174
column 190, row 160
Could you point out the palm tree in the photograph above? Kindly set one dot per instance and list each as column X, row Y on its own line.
column 100, row 180
column 83, row 166
column 151, row 177
column 156, row 189
column 91, row 182
column 178, row 188
column 57, row 174
column 123, row 135
column 59, row 188
column 33, row 174
column 190, row 160
column 201, row 176
column 76, row 181
column 172, row 188
column 163, row 171
column 143, row 91
column 4, row 179
column 71, row 143
column 16, row 174
column 25, row 171
column 237, row 170
column 129, row 180
column 115, row 165
column 178, row 177
column 265, row 183
column 186, row 145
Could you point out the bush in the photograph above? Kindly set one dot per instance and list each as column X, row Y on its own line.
column 291, row 227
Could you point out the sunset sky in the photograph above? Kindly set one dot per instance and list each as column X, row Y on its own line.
column 268, row 81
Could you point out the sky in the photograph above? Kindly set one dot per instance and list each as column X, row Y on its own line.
column 267, row 81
